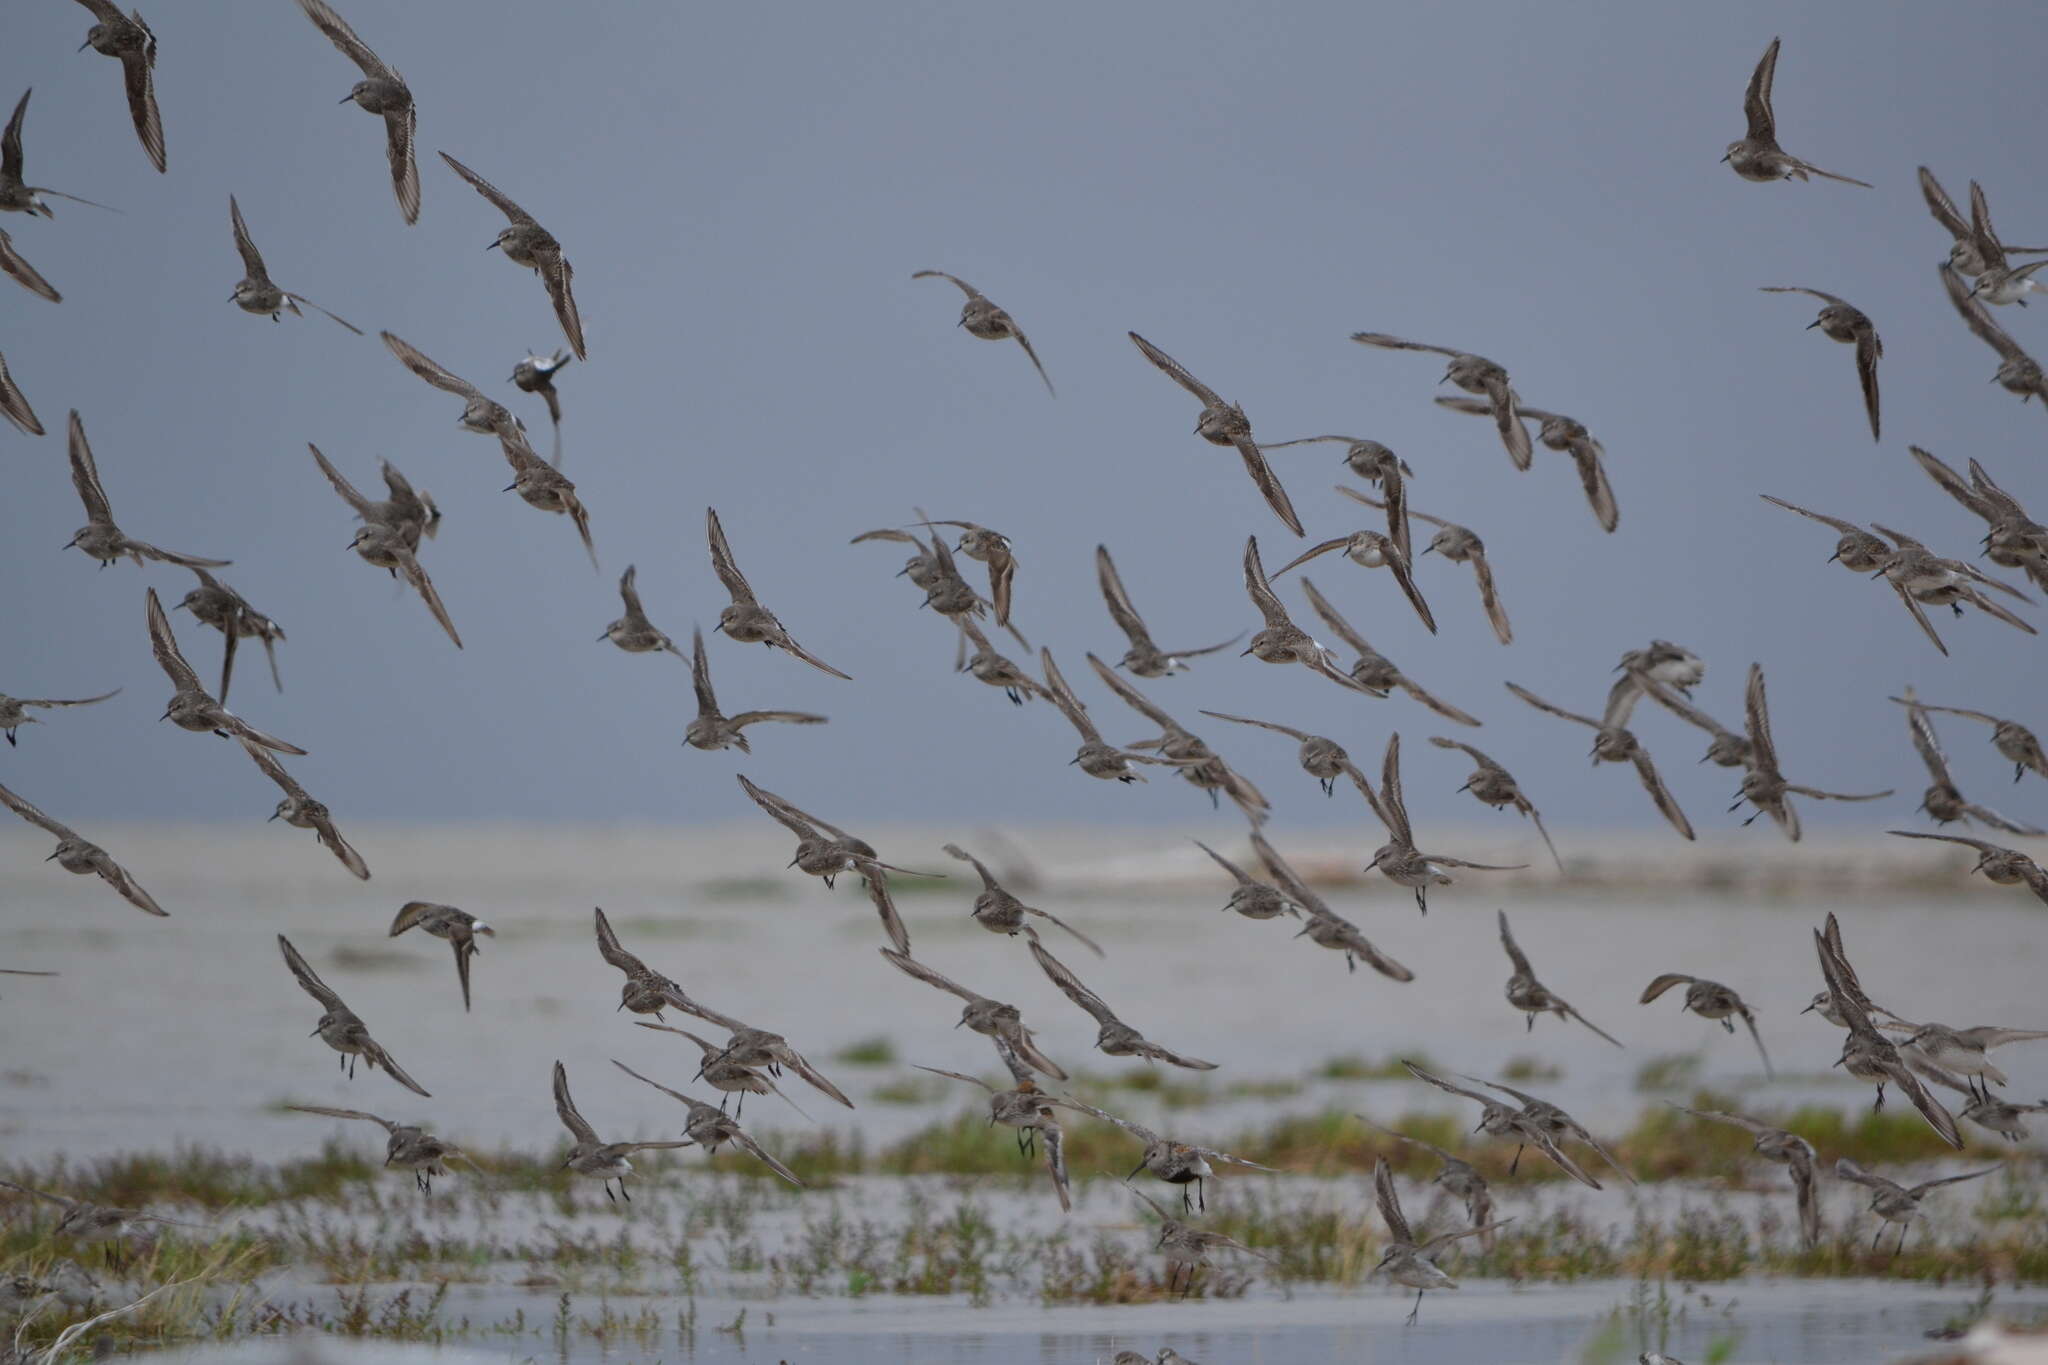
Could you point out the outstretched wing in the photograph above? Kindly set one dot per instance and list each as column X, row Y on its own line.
column 1173, row 370
column 1070, row 984
column 565, row 1109
column 307, row 977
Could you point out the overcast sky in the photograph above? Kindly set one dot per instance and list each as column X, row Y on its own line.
column 745, row 191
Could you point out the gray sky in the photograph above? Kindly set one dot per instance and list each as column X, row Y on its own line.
column 744, row 194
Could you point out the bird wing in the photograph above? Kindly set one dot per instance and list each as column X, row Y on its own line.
column 794, row 1060
column 1542, row 705
column 1798, row 289
column 1304, row 557
column 386, row 1124
column 362, row 505
column 376, row 1055
column 1390, row 1203
column 1942, row 207
column 307, row 977
column 1047, row 915
column 676, row 1095
column 1508, row 421
column 1677, row 705
column 1440, row 1083
column 85, row 476
column 1392, row 807
column 426, row 368
column 1660, row 984
column 1135, row 699
column 343, row 37
column 1659, row 793
column 1490, row 598
column 1756, row 100
column 722, row 562
column 1920, row 616
column 1394, row 343
column 969, row 290
column 759, row 1153
column 274, row 770
column 1574, row 1013
column 1982, row 235
column 608, row 948
column 1975, row 317
column 1063, row 697
column 61, row 702
column 12, row 262
column 252, row 259
column 1172, row 369
column 491, row 192
column 1118, row 600
column 885, row 906
column 165, row 646
column 910, row 966
column 557, row 275
column 1868, row 348
column 400, row 129
column 1268, row 483
column 416, row 575
column 1398, row 562
column 1515, row 953
column 1070, row 984
column 30, row 813
column 565, row 1109
column 1757, row 716
column 1845, row 527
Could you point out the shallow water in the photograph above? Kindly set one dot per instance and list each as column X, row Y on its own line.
column 190, row 1030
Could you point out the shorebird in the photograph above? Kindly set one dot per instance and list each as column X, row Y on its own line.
column 1460, row 546
column 383, row 92
column 525, row 242
column 1569, row 435
column 992, row 548
column 1027, row 1109
column 541, row 485
column 1281, row 641
column 13, row 717
column 1325, row 927
column 1225, row 424
column 391, row 532
column 711, row 1128
column 412, row 514
column 1711, row 1000
column 16, row 267
column 214, row 603
column 1867, row 1054
column 728, row 1078
column 2012, row 739
column 983, row 319
column 80, row 856
column 1757, row 156
column 712, row 729
column 1823, row 1003
column 1896, row 1203
column 757, row 1049
column 1143, row 658
column 458, row 927
column 1841, row 321
column 2002, row 1117
column 1857, row 550
column 999, row 912
column 1962, row 253
column 1789, row 1150
column 127, row 38
column 87, row 1223
column 100, row 537
column 1543, row 1116
column 2017, row 371
column 1405, row 1260
column 1398, row 860
column 481, row 414
column 1961, row 1051
column 1496, row 787
column 606, row 1161
column 1253, row 898
column 1459, row 1178
column 255, row 293
column 535, row 373
column 1997, row 282
column 14, row 403
column 1943, row 801
column 646, row 991
column 2013, row 540
column 1919, row 575
column 16, row 195
column 408, row 1146
column 1095, row 757
column 190, row 706
column 824, row 851
column 1727, row 750
column 990, row 667
column 301, row 811
column 633, row 632
column 1613, row 743
column 1176, row 1163
column 1375, row 673
column 1199, row 765
column 1377, row 465
column 745, row 619
column 1115, row 1038
column 2005, row 866
column 1478, row 375
column 1322, row 758
column 340, row 1028
column 1531, row 996
column 1371, row 550
column 1187, row 1248
column 1673, row 665
column 1500, row 1120
column 1764, row 786
column 950, row 594
column 990, row 1018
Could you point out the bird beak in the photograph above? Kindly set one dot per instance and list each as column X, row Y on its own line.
column 273, row 816
column 84, row 45
column 1811, row 325
column 344, row 99
column 1725, row 156
column 1133, row 1174
column 52, row 856
column 1808, row 1010
column 492, row 247
column 1241, row 653
column 508, row 488
column 602, row 638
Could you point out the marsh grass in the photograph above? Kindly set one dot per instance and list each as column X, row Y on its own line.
column 876, row 1051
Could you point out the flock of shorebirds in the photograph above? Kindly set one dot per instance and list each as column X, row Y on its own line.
column 1880, row 1046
